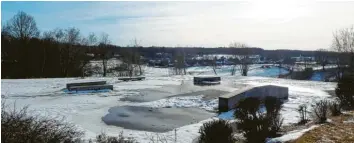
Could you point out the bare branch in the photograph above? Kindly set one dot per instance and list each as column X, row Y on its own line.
column 22, row 26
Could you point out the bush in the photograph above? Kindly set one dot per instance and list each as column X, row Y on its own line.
column 335, row 108
column 18, row 126
column 303, row 114
column 216, row 131
column 103, row 138
column 273, row 107
column 275, row 125
column 304, row 75
column 345, row 91
column 321, row 110
column 257, row 126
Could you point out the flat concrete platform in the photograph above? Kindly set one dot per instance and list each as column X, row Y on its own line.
column 131, row 78
column 152, row 94
column 90, row 87
column 69, row 85
column 206, row 80
column 154, row 119
column 83, row 86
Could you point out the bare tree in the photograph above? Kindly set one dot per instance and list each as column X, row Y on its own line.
column 136, row 55
column 343, row 42
column 179, row 67
column 213, row 63
column 84, row 41
column 280, row 61
column 72, row 36
column 59, row 35
column 102, row 47
column 321, row 57
column 50, row 37
column 69, row 53
column 243, row 57
column 92, row 39
column 22, row 26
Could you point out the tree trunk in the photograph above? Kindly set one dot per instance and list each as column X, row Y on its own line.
column 233, row 70
column 184, row 70
column 140, row 71
column 214, row 71
column 104, row 63
column 244, row 69
column 44, row 60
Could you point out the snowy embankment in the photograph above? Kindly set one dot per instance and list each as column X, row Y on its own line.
column 47, row 98
column 291, row 135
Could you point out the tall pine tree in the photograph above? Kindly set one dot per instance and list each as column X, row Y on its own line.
column 345, row 87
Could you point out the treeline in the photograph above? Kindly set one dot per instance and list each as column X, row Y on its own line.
column 28, row 53
column 28, row 58
column 150, row 52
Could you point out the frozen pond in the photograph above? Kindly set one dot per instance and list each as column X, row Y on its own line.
column 154, row 119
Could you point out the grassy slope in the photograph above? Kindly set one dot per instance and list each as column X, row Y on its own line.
column 334, row 132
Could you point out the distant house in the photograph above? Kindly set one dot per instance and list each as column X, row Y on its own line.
column 255, row 58
column 116, row 55
column 303, row 59
column 90, row 54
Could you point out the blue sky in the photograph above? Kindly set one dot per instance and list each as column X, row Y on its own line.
column 304, row 25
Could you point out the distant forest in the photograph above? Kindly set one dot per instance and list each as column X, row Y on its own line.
column 28, row 53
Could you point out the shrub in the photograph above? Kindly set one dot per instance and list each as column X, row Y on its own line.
column 103, row 138
column 18, row 126
column 345, row 91
column 304, row 75
column 321, row 110
column 216, row 131
column 275, row 125
column 303, row 114
column 273, row 106
column 335, row 108
column 257, row 126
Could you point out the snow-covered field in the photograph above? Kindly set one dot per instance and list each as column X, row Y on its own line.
column 46, row 97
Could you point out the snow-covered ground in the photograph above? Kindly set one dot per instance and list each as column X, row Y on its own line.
column 46, row 97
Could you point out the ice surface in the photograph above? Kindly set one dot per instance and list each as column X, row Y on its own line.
column 154, row 119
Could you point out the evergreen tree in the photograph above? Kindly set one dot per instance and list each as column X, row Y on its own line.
column 345, row 90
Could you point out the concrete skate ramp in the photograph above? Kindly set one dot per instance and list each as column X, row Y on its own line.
column 154, row 119
column 152, row 94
